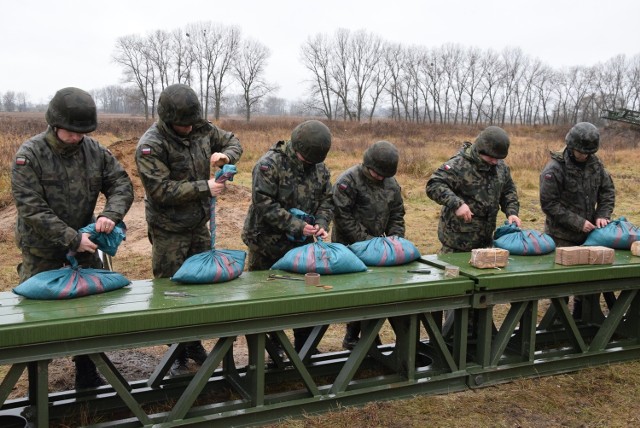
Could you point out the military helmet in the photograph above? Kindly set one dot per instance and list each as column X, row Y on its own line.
column 493, row 141
column 179, row 105
column 72, row 109
column 583, row 137
column 312, row 139
column 382, row 157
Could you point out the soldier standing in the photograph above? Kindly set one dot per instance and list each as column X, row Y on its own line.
column 577, row 193
column 56, row 179
column 472, row 187
column 292, row 174
column 368, row 203
column 174, row 159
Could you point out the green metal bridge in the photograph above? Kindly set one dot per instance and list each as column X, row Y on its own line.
column 434, row 352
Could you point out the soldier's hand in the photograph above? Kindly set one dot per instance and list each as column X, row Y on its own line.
column 514, row 219
column 464, row 212
column 104, row 224
column 321, row 233
column 215, row 188
column 310, row 229
column 219, row 159
column 602, row 222
column 587, row 226
column 86, row 245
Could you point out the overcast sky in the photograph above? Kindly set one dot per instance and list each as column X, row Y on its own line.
column 50, row 44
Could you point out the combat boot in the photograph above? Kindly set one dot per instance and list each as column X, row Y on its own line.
column 196, row 352
column 300, row 336
column 86, row 373
column 179, row 366
column 352, row 336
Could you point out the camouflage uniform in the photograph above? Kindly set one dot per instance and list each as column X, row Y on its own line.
column 366, row 207
column 485, row 188
column 280, row 182
column 55, row 187
column 571, row 193
column 174, row 171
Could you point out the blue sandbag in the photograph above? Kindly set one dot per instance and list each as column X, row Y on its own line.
column 214, row 265
column 522, row 242
column 107, row 242
column 385, row 251
column 320, row 257
column 70, row 282
column 211, row 267
column 618, row 234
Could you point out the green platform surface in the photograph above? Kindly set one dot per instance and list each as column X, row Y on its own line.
column 527, row 271
column 144, row 306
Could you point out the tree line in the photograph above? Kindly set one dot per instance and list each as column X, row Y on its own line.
column 357, row 75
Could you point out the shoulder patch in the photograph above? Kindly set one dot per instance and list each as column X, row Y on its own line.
column 548, row 176
column 446, row 167
column 264, row 167
column 145, row 150
column 21, row 160
column 342, row 186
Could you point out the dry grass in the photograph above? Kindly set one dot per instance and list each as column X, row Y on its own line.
column 592, row 397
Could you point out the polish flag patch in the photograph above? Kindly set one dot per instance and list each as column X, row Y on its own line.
column 447, row 167
column 21, row 160
column 548, row 176
column 145, row 151
column 264, row 167
column 342, row 186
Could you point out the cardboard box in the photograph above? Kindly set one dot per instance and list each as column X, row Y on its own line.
column 635, row 248
column 601, row 255
column 570, row 256
column 487, row 258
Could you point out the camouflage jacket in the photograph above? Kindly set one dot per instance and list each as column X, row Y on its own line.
column 571, row 194
column 174, row 171
column 55, row 187
column 365, row 207
column 281, row 182
column 466, row 178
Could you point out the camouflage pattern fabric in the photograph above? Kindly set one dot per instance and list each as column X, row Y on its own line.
column 280, row 182
column 55, row 187
column 35, row 261
column 365, row 208
column 170, row 249
column 174, row 171
column 485, row 188
column 571, row 193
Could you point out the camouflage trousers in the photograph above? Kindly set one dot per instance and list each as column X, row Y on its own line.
column 169, row 250
column 36, row 260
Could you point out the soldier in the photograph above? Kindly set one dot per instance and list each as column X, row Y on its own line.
column 368, row 203
column 56, row 179
column 290, row 175
column 577, row 193
column 174, row 159
column 471, row 187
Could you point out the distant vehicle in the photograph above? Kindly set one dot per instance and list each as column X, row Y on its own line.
column 622, row 115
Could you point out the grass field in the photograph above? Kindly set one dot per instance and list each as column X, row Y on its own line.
column 600, row 396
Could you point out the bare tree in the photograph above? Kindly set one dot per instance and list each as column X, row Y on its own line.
column 315, row 57
column 9, row 101
column 366, row 52
column 130, row 53
column 249, row 71
column 158, row 51
column 182, row 58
